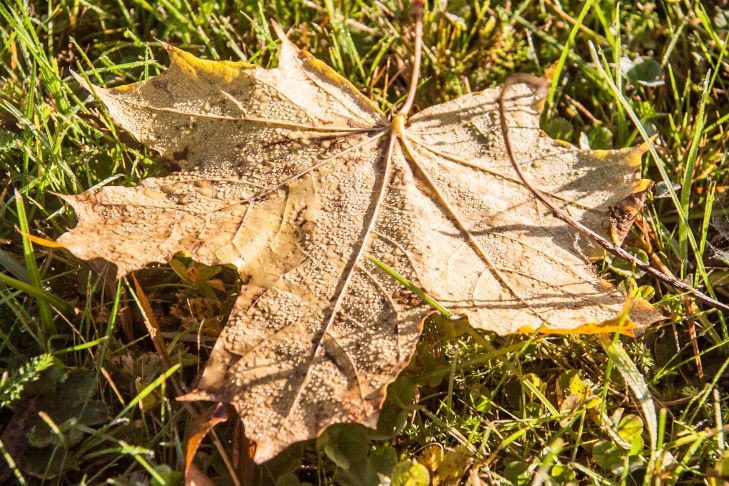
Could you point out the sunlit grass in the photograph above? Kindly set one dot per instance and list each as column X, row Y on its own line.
column 97, row 399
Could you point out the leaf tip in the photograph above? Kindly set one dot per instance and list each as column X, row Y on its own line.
column 279, row 31
column 79, row 79
column 70, row 199
column 633, row 155
column 636, row 316
column 643, row 313
column 197, row 395
column 176, row 54
column 90, row 87
column 642, row 185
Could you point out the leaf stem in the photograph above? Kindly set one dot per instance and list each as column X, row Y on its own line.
column 417, row 13
column 562, row 215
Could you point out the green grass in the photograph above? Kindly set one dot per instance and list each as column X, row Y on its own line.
column 86, row 398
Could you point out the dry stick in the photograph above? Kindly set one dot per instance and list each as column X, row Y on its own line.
column 562, row 215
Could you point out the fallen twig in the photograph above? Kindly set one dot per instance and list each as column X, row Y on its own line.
column 584, row 230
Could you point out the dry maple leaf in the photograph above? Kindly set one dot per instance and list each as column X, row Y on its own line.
column 295, row 178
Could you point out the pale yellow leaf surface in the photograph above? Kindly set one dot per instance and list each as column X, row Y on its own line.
column 295, row 178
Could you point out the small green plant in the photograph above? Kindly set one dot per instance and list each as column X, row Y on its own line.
column 13, row 383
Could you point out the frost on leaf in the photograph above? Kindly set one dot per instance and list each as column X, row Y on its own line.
column 295, row 178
